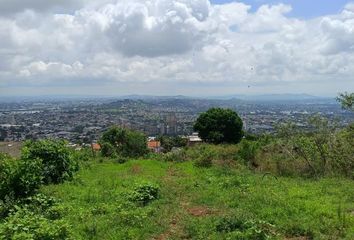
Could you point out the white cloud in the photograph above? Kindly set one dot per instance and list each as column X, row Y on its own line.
column 172, row 42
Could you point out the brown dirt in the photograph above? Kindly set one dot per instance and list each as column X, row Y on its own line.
column 135, row 169
column 174, row 230
column 298, row 238
column 199, row 211
column 11, row 148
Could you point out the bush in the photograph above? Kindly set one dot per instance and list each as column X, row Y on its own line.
column 205, row 158
column 34, row 217
column 178, row 155
column 144, row 193
column 237, row 228
column 19, row 178
column 57, row 159
column 127, row 143
column 324, row 151
column 121, row 159
column 24, row 224
column 168, row 143
column 107, row 149
column 219, row 125
column 248, row 151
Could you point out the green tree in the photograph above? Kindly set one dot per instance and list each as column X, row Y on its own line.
column 219, row 125
column 124, row 142
column 347, row 100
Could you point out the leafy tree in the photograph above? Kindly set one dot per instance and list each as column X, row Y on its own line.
column 124, row 142
column 347, row 100
column 219, row 125
column 57, row 159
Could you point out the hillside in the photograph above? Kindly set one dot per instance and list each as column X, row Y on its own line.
column 295, row 185
column 199, row 203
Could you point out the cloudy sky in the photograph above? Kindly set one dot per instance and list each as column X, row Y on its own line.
column 170, row 47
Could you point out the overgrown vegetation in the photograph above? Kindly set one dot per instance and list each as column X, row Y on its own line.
column 169, row 143
column 325, row 151
column 123, row 142
column 26, row 215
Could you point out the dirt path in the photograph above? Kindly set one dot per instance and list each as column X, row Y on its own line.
column 183, row 207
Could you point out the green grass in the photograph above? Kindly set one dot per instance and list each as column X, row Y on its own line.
column 194, row 203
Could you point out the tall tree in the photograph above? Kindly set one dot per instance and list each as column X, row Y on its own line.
column 219, row 125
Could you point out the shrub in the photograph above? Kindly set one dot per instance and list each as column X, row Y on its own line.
column 57, row 159
column 168, row 143
column 205, row 158
column 178, row 155
column 38, row 202
column 24, row 224
column 248, row 151
column 237, row 228
column 83, row 155
column 127, row 143
column 144, row 193
column 324, row 151
column 19, row 178
column 8, row 171
column 121, row 159
column 107, row 149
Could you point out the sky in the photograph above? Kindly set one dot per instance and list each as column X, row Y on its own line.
column 303, row 9
column 176, row 47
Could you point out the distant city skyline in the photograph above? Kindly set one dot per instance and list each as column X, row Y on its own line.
column 176, row 47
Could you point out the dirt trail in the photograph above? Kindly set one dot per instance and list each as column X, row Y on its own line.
column 175, row 230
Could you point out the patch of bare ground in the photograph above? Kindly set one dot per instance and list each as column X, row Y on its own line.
column 11, row 148
column 175, row 229
column 135, row 169
column 297, row 238
column 199, row 211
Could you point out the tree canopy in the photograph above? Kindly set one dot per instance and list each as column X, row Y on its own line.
column 219, row 125
column 124, row 142
column 347, row 100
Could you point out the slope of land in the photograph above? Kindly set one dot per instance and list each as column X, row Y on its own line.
column 203, row 203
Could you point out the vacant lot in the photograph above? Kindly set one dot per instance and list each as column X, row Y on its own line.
column 199, row 203
column 11, row 148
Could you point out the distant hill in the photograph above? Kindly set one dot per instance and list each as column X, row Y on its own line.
column 262, row 97
column 274, row 97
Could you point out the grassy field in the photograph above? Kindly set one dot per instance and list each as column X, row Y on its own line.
column 203, row 203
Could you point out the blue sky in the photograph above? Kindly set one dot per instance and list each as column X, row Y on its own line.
column 301, row 8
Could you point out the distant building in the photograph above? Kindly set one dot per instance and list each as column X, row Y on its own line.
column 194, row 139
column 154, row 145
column 95, row 147
column 171, row 124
